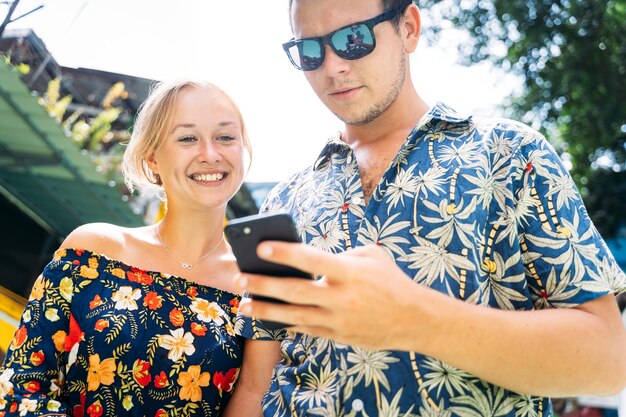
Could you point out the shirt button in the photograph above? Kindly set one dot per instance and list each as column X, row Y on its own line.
column 357, row 200
column 357, row 405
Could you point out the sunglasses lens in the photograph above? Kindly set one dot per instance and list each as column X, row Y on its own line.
column 306, row 54
column 353, row 42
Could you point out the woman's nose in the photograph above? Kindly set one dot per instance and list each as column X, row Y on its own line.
column 209, row 152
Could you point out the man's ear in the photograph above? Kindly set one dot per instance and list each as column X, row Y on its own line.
column 410, row 28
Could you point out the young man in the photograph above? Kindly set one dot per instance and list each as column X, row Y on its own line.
column 459, row 271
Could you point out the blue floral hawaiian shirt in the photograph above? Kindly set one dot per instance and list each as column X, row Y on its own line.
column 481, row 210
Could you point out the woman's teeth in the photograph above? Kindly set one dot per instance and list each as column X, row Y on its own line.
column 208, row 177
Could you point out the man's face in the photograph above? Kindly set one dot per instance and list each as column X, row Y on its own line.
column 356, row 91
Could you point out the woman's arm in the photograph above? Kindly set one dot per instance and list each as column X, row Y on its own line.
column 259, row 359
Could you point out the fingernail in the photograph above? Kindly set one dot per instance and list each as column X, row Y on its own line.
column 265, row 250
column 245, row 308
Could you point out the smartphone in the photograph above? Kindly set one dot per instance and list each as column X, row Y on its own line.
column 245, row 233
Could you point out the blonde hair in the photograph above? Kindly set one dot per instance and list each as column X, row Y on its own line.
column 150, row 129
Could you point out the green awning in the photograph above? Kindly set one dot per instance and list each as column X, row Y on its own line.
column 44, row 173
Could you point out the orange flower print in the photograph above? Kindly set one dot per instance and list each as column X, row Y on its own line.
column 38, row 288
column 152, row 300
column 176, row 317
column 139, row 275
column 191, row 383
column 192, row 291
column 160, row 380
column 60, row 254
column 225, row 382
column 208, row 311
column 95, row 409
column 19, row 338
column 229, row 328
column 100, row 372
column 59, row 340
column 141, row 372
column 90, row 271
column 32, row 386
column 36, row 358
column 97, row 301
column 198, row 329
column 118, row 272
column 101, row 324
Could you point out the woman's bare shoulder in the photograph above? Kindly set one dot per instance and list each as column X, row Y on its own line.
column 102, row 238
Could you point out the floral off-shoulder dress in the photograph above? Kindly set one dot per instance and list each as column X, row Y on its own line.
column 102, row 338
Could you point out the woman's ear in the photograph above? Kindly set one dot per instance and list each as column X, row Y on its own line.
column 152, row 164
column 411, row 26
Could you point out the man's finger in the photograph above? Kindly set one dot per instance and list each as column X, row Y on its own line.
column 291, row 290
column 305, row 258
column 296, row 315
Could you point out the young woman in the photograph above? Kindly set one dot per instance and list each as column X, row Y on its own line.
column 139, row 321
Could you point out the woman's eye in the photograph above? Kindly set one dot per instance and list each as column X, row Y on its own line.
column 188, row 138
column 225, row 138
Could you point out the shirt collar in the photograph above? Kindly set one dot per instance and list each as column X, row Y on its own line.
column 439, row 112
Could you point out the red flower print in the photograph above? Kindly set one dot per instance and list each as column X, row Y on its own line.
column 198, row 329
column 79, row 252
column 234, row 304
column 101, row 325
column 160, row 380
column 95, row 409
column 75, row 262
column 192, row 291
column 529, row 167
column 139, row 275
column 161, row 413
column 97, row 301
column 141, row 372
column 13, row 408
column 75, row 336
column 78, row 411
column 32, row 386
column 152, row 300
column 226, row 382
column 36, row 358
column 176, row 317
column 20, row 337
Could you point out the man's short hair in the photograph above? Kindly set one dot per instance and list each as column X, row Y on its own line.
column 387, row 4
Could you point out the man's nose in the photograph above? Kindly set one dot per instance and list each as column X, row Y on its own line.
column 333, row 63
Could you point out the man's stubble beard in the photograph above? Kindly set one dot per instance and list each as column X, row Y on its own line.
column 379, row 108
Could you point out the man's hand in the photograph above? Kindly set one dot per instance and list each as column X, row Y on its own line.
column 357, row 301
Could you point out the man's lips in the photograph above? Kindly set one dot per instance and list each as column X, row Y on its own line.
column 344, row 93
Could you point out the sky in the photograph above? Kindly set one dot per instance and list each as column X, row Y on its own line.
column 237, row 45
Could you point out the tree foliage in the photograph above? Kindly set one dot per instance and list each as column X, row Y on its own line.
column 572, row 57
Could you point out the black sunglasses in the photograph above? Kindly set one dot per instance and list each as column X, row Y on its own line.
column 352, row 41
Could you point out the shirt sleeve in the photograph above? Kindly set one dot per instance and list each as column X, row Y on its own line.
column 566, row 260
column 32, row 377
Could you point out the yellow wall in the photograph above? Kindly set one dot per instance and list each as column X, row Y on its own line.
column 11, row 307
